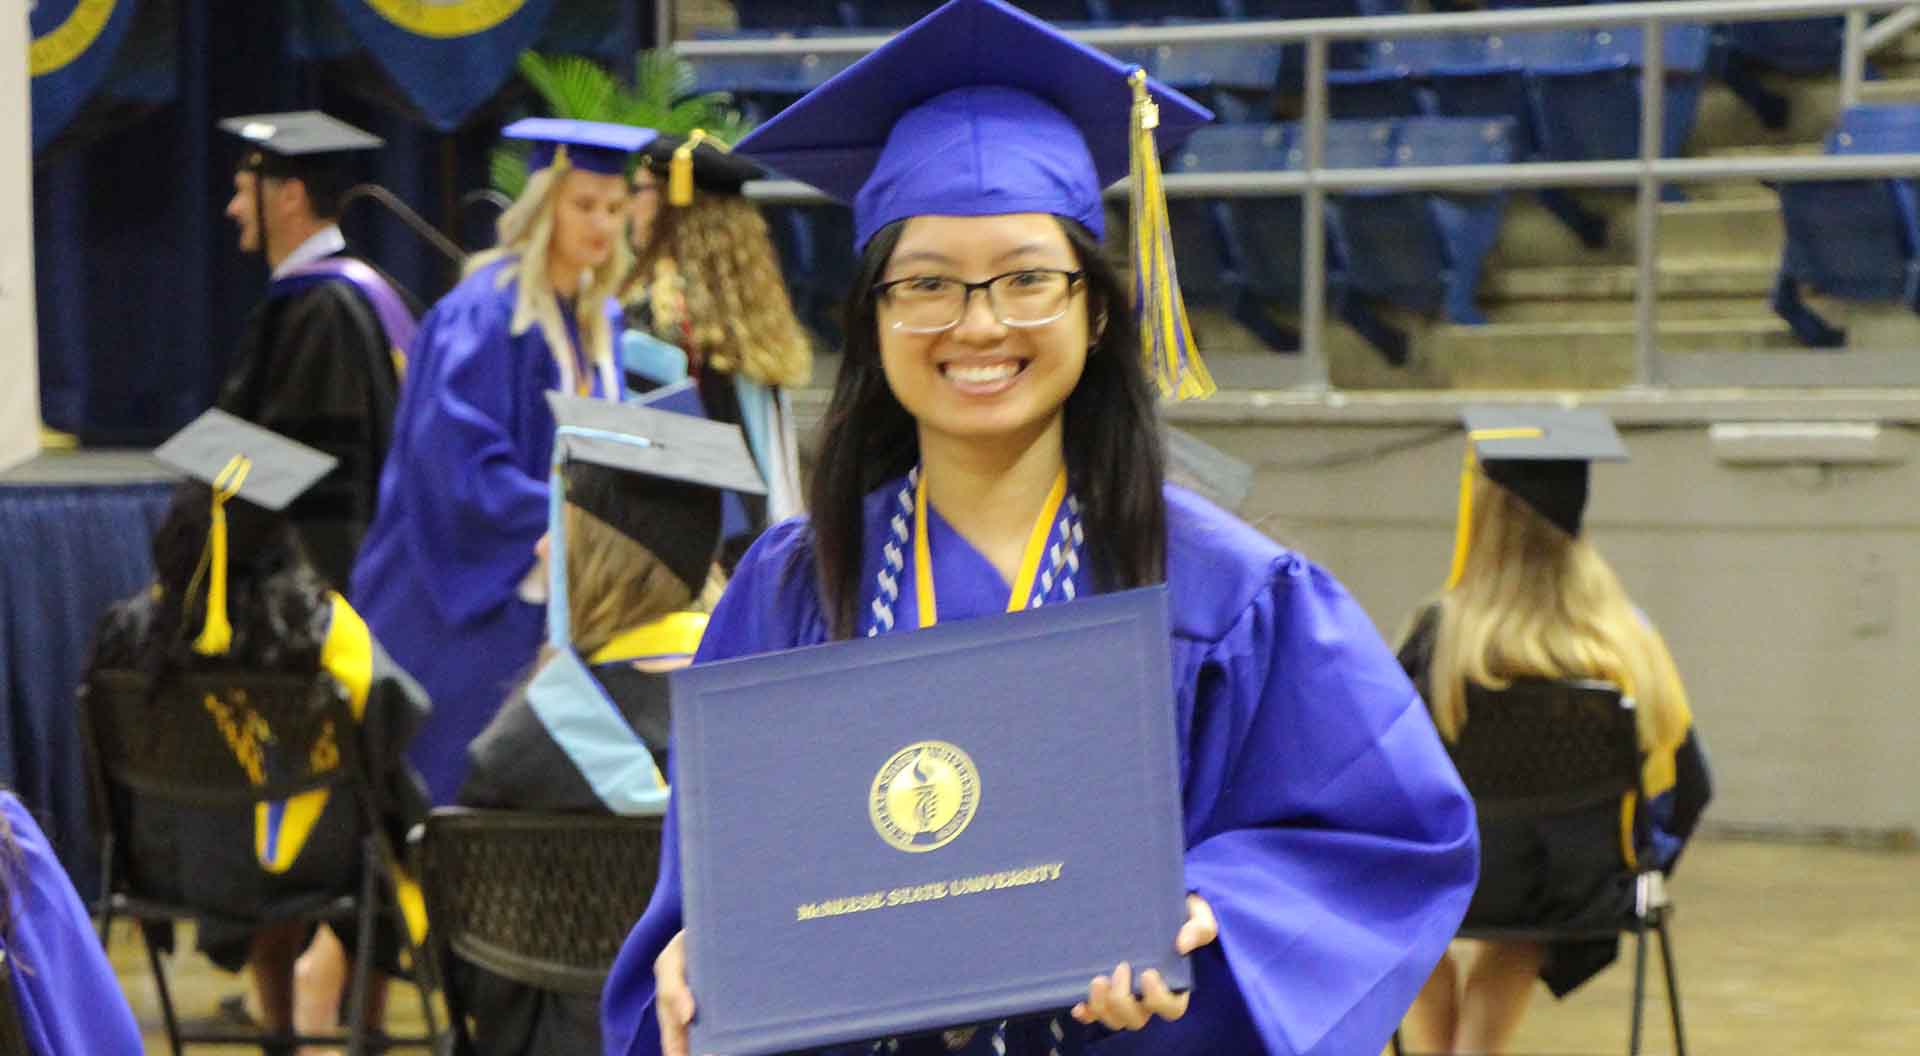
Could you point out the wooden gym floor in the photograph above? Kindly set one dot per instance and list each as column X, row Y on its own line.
column 1787, row 949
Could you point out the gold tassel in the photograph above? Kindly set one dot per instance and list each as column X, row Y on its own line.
column 1462, row 533
column 1166, row 338
column 680, row 171
column 1462, row 519
column 217, row 634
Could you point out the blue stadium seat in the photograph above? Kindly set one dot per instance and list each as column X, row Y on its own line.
column 1131, row 12
column 1235, row 81
column 1589, row 100
column 1854, row 239
column 1743, row 50
column 1469, row 224
column 1487, row 77
column 1213, row 266
column 1385, row 83
column 793, row 14
column 1396, row 246
column 1256, row 240
column 1810, row 45
column 1312, row 8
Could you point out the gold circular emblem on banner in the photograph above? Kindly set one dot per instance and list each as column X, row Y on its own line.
column 69, row 40
column 446, row 18
column 924, row 796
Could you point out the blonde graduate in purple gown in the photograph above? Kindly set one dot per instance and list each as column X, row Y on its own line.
column 993, row 400
column 442, row 575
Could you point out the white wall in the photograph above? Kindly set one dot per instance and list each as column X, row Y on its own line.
column 19, row 357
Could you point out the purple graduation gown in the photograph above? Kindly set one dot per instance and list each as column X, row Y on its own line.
column 463, row 501
column 68, row 1000
column 1324, row 822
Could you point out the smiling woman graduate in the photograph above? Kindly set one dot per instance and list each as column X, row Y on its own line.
column 463, row 498
column 991, row 445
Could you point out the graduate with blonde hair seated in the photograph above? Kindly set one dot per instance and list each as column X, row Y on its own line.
column 630, row 549
column 1531, row 598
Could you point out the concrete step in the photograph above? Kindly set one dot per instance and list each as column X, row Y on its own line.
column 1725, row 121
column 1716, row 227
column 1891, row 90
column 1582, row 354
column 1699, row 280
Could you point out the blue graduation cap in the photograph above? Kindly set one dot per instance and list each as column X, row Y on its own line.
column 596, row 146
column 980, row 109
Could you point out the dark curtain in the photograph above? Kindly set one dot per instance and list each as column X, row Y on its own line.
column 142, row 292
column 71, row 552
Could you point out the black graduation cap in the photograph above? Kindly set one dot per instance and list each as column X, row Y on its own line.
column 295, row 143
column 1544, row 455
column 683, row 462
column 251, row 463
column 704, row 160
column 238, row 460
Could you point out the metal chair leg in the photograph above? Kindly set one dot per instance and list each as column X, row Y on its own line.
column 160, row 984
column 106, row 890
column 1673, row 987
column 1639, row 986
column 362, row 964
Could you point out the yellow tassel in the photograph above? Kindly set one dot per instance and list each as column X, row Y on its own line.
column 680, row 172
column 1462, row 519
column 1462, row 533
column 1166, row 337
column 680, row 176
column 217, row 634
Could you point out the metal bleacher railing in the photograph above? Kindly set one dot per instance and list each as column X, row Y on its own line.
column 1646, row 174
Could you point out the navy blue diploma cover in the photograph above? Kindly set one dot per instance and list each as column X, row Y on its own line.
column 930, row 829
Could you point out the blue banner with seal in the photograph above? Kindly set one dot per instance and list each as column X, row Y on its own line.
column 448, row 56
column 74, row 42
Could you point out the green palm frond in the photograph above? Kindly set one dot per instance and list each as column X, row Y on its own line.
column 573, row 87
column 507, row 167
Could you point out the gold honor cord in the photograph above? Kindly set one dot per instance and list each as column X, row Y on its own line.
column 216, row 635
column 680, row 170
column 1460, row 525
column 1017, row 597
column 1166, row 338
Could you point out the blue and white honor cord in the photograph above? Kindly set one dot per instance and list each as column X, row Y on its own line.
column 1055, row 580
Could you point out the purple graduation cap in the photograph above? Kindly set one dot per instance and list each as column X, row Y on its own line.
column 980, row 109
column 596, row 146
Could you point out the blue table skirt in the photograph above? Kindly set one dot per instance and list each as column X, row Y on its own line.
column 67, row 551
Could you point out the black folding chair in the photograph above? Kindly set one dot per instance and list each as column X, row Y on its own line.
column 543, row 900
column 1542, row 749
column 177, row 749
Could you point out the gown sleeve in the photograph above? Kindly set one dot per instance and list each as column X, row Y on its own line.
column 769, row 604
column 477, row 508
column 1325, row 826
column 68, row 1000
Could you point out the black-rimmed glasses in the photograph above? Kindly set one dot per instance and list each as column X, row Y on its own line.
column 931, row 304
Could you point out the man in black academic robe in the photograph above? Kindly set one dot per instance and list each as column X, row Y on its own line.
column 321, row 358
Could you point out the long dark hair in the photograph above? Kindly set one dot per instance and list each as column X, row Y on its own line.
column 276, row 601
column 1112, row 445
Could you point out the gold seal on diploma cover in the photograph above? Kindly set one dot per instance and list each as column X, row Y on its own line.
column 924, row 796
